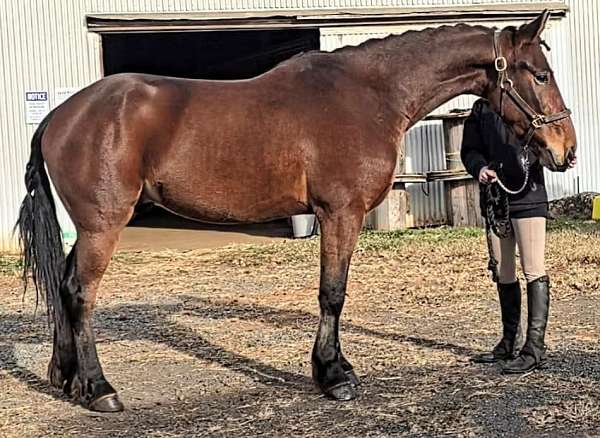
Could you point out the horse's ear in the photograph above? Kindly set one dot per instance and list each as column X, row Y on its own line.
column 531, row 31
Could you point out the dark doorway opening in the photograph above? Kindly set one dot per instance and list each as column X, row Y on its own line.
column 223, row 55
column 205, row 55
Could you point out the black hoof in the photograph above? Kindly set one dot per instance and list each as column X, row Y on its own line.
column 336, row 379
column 100, row 397
column 341, row 392
column 354, row 380
column 106, row 403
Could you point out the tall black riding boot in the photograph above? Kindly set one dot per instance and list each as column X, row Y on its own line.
column 533, row 353
column 510, row 306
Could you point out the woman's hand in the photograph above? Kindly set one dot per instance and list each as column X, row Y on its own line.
column 487, row 175
column 572, row 162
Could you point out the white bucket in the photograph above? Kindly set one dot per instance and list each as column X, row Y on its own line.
column 304, row 225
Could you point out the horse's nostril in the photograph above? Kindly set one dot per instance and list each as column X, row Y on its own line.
column 570, row 153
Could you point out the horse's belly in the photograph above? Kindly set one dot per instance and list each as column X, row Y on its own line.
column 220, row 214
column 232, row 203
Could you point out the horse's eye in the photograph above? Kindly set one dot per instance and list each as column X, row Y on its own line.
column 542, row 77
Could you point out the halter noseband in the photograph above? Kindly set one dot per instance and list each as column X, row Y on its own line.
column 536, row 120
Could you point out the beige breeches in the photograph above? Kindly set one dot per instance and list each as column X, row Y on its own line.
column 529, row 234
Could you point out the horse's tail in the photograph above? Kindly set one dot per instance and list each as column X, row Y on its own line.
column 39, row 232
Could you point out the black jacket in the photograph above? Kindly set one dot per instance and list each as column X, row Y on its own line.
column 488, row 141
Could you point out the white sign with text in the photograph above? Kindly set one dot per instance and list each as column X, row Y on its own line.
column 63, row 93
column 37, row 106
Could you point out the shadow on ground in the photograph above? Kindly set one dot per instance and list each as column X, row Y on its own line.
column 455, row 398
column 156, row 217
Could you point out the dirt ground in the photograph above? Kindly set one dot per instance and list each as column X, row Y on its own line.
column 217, row 343
column 158, row 230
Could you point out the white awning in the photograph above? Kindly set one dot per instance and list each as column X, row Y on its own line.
column 153, row 22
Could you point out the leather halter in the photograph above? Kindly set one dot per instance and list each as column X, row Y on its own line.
column 536, row 120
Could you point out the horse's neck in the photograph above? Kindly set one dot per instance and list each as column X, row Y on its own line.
column 425, row 69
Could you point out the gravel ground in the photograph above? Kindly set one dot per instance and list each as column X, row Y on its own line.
column 217, row 343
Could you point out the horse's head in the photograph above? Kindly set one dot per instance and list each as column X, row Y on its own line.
column 525, row 93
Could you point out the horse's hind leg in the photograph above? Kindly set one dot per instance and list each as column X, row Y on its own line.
column 63, row 365
column 339, row 232
column 91, row 256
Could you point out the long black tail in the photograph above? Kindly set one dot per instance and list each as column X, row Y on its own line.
column 39, row 232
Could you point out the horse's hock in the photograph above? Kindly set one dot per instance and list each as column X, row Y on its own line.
column 461, row 191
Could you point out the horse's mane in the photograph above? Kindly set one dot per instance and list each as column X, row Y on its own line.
column 408, row 36
column 412, row 36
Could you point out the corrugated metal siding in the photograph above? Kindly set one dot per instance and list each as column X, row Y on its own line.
column 106, row 6
column 575, row 56
column 424, row 152
column 45, row 45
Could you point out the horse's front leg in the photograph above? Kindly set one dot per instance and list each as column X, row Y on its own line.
column 339, row 232
column 92, row 253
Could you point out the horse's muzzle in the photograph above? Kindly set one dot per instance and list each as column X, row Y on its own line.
column 549, row 159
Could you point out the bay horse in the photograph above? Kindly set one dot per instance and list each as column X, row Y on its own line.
column 318, row 133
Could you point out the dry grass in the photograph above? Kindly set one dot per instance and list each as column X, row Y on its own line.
column 217, row 344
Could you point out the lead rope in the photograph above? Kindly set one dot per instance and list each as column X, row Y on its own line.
column 492, row 262
column 497, row 211
column 497, row 221
column 525, row 165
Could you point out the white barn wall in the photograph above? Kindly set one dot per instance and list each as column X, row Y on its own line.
column 46, row 45
column 99, row 6
column 575, row 56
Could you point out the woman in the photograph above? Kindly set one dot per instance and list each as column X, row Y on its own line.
column 491, row 151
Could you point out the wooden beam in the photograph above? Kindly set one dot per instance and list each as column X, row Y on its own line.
column 457, row 205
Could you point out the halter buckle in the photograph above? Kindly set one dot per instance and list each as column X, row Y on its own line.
column 506, row 83
column 538, row 121
column 500, row 64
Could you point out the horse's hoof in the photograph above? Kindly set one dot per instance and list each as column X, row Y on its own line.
column 342, row 392
column 106, row 403
column 354, row 380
